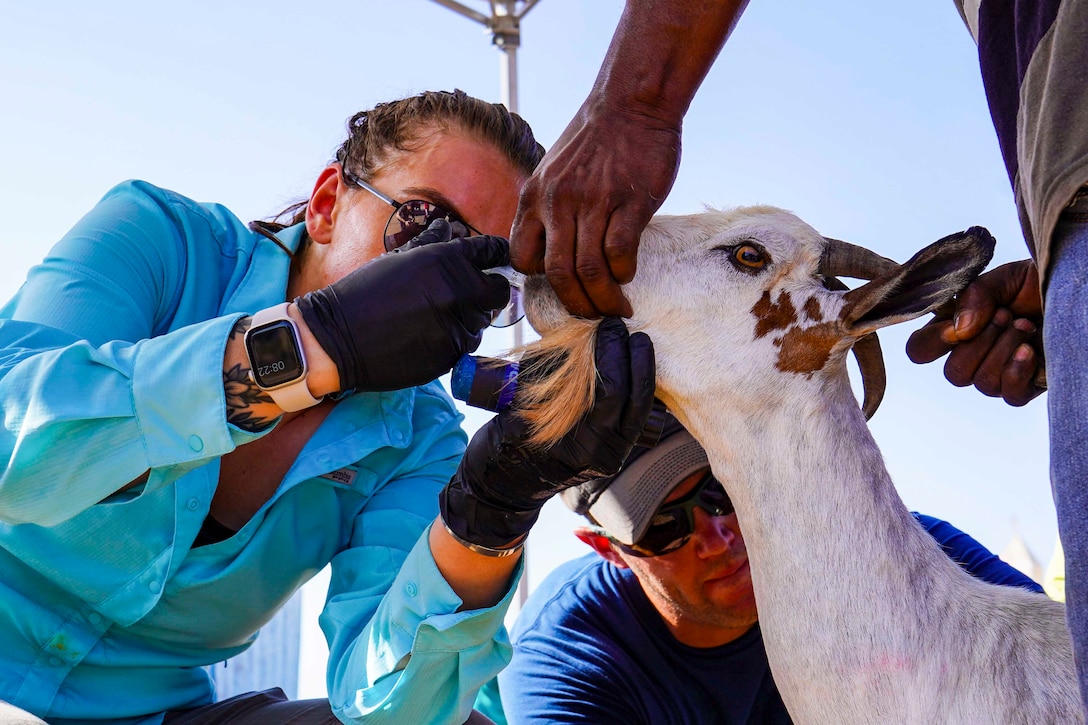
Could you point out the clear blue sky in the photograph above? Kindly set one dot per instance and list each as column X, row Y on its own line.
column 868, row 120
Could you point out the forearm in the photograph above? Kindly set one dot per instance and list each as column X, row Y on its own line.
column 419, row 657
column 480, row 581
column 86, row 422
column 660, row 54
column 249, row 407
column 83, row 422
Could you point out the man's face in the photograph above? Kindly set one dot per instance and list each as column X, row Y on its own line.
column 703, row 590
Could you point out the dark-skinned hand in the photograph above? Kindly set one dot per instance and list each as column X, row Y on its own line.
column 581, row 214
column 993, row 337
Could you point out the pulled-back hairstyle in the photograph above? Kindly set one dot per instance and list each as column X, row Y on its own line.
column 376, row 135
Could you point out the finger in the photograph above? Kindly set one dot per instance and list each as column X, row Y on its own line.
column 439, row 231
column 559, row 265
column 975, row 308
column 621, row 243
column 613, row 358
column 472, row 302
column 592, row 266
column 990, row 374
column 643, row 386
column 485, row 251
column 927, row 343
column 527, row 240
column 1013, row 286
column 1018, row 380
column 603, row 448
column 621, row 251
column 966, row 358
column 471, row 343
column 496, row 293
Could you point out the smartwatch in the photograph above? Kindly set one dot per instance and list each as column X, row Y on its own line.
column 276, row 362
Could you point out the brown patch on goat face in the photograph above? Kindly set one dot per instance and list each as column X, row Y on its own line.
column 806, row 350
column 812, row 310
column 772, row 316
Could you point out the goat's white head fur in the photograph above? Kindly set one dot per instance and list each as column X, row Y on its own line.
column 734, row 295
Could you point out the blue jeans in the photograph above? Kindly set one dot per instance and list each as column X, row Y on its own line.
column 1065, row 343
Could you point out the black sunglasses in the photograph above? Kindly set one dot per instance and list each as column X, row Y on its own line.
column 674, row 522
column 411, row 218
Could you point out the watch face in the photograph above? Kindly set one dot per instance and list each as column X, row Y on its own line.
column 274, row 355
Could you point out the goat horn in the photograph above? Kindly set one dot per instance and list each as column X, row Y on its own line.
column 843, row 259
column 867, row 352
column 873, row 378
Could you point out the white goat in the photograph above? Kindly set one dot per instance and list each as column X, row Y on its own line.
column 865, row 620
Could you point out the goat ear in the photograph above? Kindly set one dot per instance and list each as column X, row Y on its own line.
column 924, row 282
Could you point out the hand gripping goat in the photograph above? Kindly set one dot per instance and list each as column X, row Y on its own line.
column 864, row 619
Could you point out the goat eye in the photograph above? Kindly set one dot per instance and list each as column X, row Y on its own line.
column 749, row 256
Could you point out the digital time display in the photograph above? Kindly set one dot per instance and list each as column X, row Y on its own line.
column 274, row 355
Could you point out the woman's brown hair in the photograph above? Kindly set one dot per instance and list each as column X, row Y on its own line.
column 395, row 126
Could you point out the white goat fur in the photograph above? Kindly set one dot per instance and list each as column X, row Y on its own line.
column 864, row 618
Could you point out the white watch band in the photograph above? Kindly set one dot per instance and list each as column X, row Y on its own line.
column 294, row 395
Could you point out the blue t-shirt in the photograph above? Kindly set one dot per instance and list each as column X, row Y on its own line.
column 589, row 647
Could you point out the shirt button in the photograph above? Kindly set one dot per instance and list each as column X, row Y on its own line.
column 397, row 437
column 411, row 589
column 94, row 618
column 196, row 443
column 192, row 503
column 55, row 661
column 153, row 586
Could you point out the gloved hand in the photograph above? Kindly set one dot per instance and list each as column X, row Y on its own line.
column 404, row 319
column 496, row 494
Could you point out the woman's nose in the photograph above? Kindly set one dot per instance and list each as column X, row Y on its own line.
column 712, row 536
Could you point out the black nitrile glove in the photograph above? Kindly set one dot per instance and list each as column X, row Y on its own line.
column 500, row 486
column 405, row 318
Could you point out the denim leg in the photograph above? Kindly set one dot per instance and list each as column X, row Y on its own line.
column 1065, row 340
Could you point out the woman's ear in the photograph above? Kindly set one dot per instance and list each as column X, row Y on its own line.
column 319, row 210
column 601, row 545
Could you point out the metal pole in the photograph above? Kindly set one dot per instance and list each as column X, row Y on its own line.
column 506, row 35
column 505, row 26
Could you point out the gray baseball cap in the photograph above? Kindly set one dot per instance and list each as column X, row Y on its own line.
column 625, row 503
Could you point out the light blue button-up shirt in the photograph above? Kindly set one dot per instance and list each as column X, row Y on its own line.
column 111, row 365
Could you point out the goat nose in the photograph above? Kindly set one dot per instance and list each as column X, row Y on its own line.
column 712, row 536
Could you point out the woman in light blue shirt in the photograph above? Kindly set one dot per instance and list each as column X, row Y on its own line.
column 199, row 415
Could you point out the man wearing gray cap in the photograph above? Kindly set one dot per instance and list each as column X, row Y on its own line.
column 661, row 626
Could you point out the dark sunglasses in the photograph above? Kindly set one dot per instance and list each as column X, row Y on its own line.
column 674, row 522
column 411, row 218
